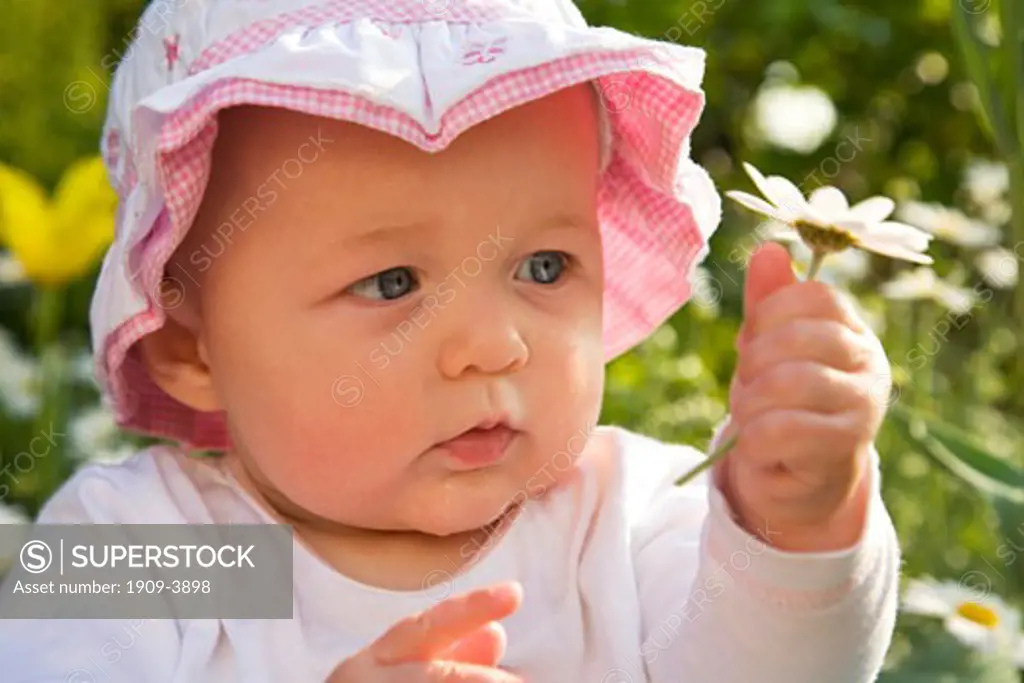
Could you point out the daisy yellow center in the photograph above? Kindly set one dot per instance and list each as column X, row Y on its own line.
column 824, row 238
column 979, row 614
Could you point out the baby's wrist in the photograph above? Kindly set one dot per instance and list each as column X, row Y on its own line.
column 841, row 530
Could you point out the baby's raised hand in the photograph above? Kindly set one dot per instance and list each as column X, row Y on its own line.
column 806, row 400
column 457, row 640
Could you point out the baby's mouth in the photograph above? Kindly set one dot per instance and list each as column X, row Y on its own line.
column 482, row 446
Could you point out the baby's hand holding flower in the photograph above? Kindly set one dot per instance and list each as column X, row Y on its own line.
column 806, row 400
column 805, row 410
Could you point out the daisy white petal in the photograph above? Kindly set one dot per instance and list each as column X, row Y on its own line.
column 905, row 234
column 757, row 204
column 971, row 634
column 924, row 597
column 760, row 182
column 889, row 239
column 829, row 200
column 873, row 210
column 785, row 195
column 897, row 251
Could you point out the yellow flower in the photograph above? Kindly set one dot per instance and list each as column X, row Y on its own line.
column 57, row 240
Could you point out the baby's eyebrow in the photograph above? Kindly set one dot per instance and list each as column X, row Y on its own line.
column 390, row 232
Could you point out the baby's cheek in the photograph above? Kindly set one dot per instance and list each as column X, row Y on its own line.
column 567, row 404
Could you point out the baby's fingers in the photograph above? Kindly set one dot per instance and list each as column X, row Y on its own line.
column 454, row 672
column 431, row 633
column 485, row 646
column 433, row 672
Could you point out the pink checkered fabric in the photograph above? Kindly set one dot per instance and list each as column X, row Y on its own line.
column 656, row 208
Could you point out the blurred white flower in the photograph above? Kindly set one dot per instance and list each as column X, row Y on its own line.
column 983, row 622
column 95, row 436
column 10, row 547
column 19, row 379
column 827, row 223
column 950, row 225
column 83, row 367
column 797, row 118
column 11, row 272
column 997, row 213
column 986, row 181
column 924, row 284
column 999, row 267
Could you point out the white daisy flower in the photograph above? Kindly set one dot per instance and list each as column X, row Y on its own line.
column 95, row 436
column 999, row 267
column 986, row 181
column 950, row 225
column 827, row 223
column 19, row 379
column 797, row 118
column 924, row 284
column 10, row 547
column 983, row 622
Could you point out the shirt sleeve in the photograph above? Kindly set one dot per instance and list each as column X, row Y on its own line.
column 720, row 605
column 93, row 650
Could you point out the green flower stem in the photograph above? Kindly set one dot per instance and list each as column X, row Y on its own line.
column 817, row 258
column 47, row 315
column 1017, row 197
column 719, row 452
column 712, row 458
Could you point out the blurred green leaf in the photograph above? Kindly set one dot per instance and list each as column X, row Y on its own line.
column 981, row 60
column 961, row 454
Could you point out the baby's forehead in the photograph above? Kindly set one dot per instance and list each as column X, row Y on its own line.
column 276, row 166
column 250, row 133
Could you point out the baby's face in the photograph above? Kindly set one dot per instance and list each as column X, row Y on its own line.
column 380, row 300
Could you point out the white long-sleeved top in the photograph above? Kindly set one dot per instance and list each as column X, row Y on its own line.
column 627, row 578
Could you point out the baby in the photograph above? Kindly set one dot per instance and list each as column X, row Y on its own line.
column 376, row 254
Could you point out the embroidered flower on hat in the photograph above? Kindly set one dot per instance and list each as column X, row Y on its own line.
column 393, row 31
column 172, row 51
column 112, row 147
column 484, row 52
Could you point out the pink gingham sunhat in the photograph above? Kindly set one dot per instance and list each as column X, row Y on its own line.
column 422, row 70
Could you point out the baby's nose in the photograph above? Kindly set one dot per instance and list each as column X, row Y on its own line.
column 487, row 346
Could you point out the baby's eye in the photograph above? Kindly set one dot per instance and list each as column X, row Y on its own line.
column 544, row 267
column 388, row 284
